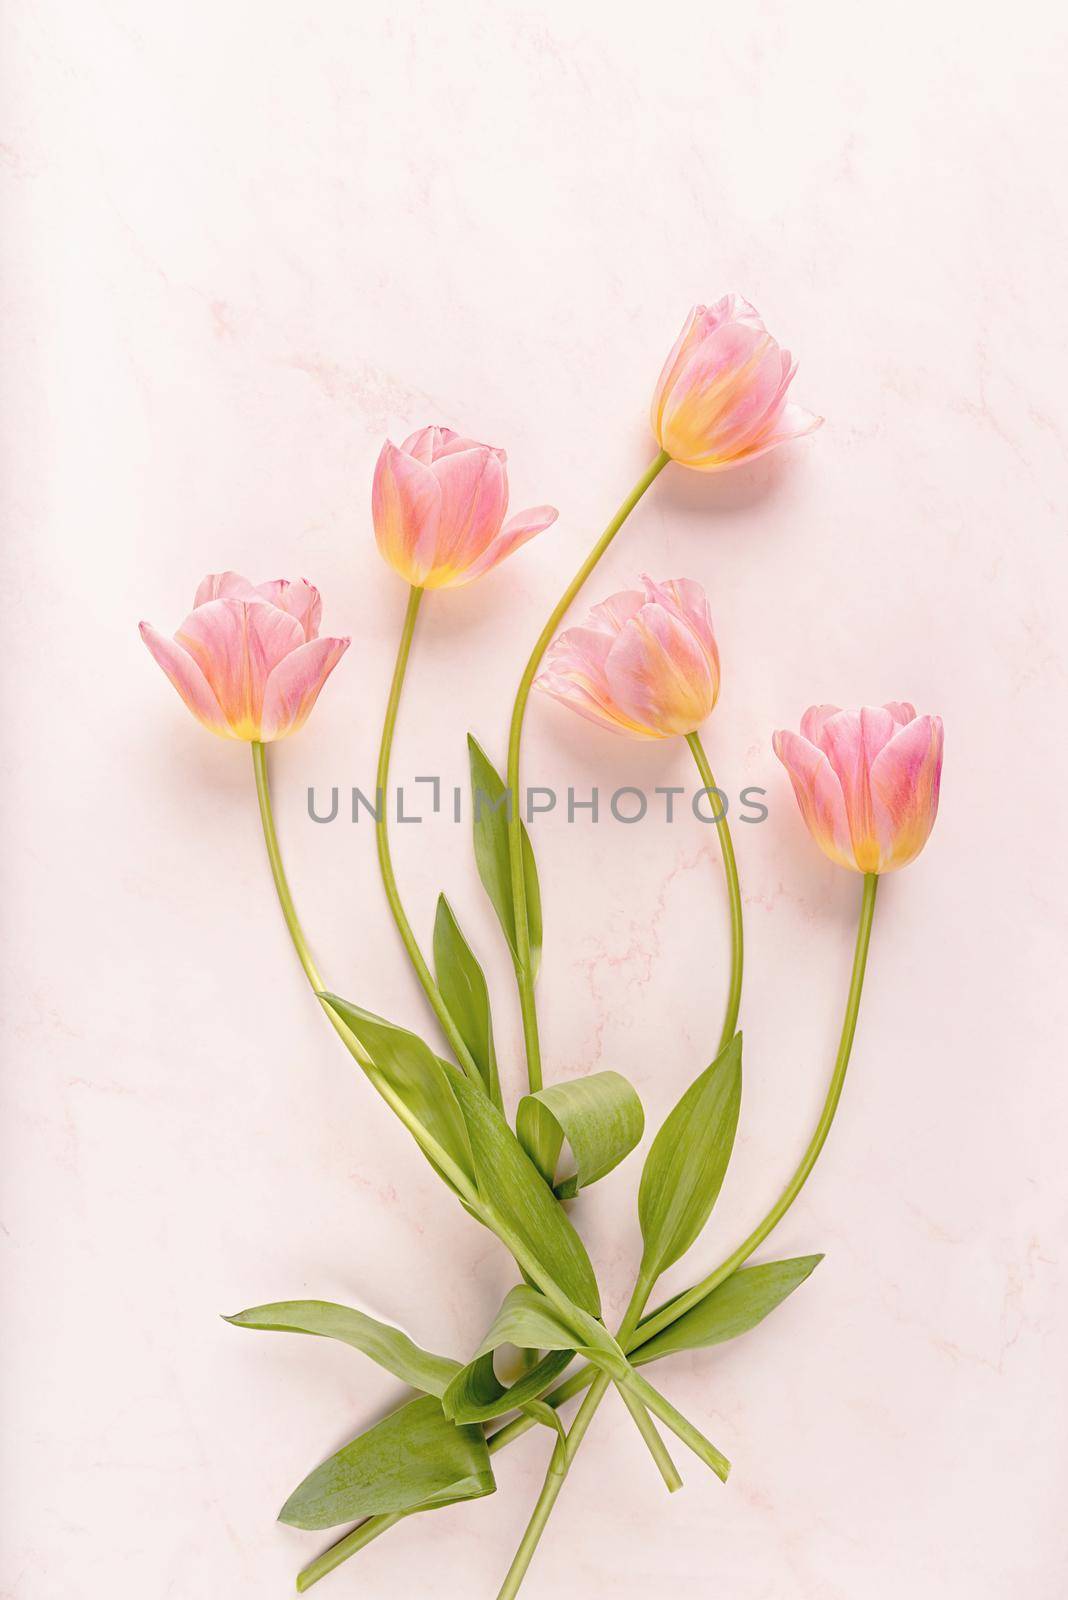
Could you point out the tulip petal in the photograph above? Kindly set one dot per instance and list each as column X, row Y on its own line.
column 749, row 408
column 224, row 586
column 580, row 698
column 516, row 531
column 187, row 678
column 575, row 675
column 902, row 711
column 905, row 780
column 428, row 444
column 236, row 643
column 300, row 598
column 673, row 366
column 851, row 741
column 294, row 684
column 819, row 796
column 421, row 444
column 794, row 422
column 611, row 615
column 660, row 675
column 474, row 498
column 405, row 504
column 813, row 721
column 715, row 379
column 688, row 601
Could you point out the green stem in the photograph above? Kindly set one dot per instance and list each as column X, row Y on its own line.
column 435, row 1151
column 371, row 1528
column 523, row 965
column 554, row 1478
column 676, row 1308
column 385, row 860
column 278, row 871
column 734, row 892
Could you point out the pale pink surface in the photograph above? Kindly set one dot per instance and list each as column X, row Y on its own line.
column 866, row 781
column 244, row 244
column 247, row 660
column 439, row 503
column 721, row 397
column 645, row 664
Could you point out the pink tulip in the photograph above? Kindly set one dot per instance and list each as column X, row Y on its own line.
column 721, row 398
column 866, row 781
column 645, row 664
column 439, row 504
column 248, row 660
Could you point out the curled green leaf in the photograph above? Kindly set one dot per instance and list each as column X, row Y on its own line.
column 600, row 1117
column 476, row 1394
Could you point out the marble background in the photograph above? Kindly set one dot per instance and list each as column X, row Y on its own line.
column 246, row 242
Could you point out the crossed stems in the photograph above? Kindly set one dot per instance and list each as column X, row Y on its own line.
column 633, row 1332
column 663, row 1316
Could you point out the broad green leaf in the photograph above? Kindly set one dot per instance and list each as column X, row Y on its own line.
column 512, row 1187
column 464, row 991
column 413, row 1458
column 687, row 1161
column 416, row 1075
column 387, row 1345
column 600, row 1116
column 489, row 803
column 738, row 1304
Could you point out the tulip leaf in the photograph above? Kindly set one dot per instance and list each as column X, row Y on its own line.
column 600, row 1116
column 413, row 1459
column 527, row 1318
column 476, row 1394
column 490, row 803
column 386, row 1345
column 464, row 991
column 415, row 1074
column 687, row 1161
column 738, row 1304
column 515, row 1192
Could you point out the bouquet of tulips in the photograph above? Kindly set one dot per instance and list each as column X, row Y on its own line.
column 249, row 662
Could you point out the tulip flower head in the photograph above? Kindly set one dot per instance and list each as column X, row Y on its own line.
column 248, row 660
column 721, row 398
column 866, row 781
column 645, row 664
column 439, row 504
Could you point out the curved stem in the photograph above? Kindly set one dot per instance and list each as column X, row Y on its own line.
column 523, row 965
column 554, row 1479
column 734, row 892
column 676, row 1308
column 278, row 871
column 385, row 860
column 429, row 1145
